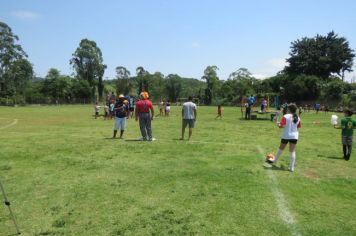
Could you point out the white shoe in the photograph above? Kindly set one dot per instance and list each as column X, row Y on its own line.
column 152, row 139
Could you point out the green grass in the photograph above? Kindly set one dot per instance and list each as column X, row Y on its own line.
column 64, row 176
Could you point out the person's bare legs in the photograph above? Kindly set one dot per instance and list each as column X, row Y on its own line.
column 279, row 152
column 292, row 156
column 190, row 133
column 183, row 130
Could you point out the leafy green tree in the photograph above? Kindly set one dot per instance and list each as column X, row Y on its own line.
column 320, row 56
column 87, row 61
column 173, row 87
column 57, row 86
column 124, row 82
column 18, row 76
column 142, row 77
column 80, row 89
column 211, row 78
column 15, row 70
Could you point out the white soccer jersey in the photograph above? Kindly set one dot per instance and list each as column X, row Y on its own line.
column 290, row 128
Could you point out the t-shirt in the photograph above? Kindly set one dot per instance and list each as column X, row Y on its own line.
column 120, row 109
column 144, row 106
column 97, row 108
column 348, row 125
column 132, row 103
column 188, row 110
column 290, row 128
column 251, row 100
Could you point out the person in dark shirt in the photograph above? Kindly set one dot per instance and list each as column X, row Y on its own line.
column 121, row 113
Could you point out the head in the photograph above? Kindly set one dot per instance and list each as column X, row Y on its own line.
column 121, row 97
column 190, row 98
column 144, row 95
column 348, row 112
column 292, row 108
column 219, row 106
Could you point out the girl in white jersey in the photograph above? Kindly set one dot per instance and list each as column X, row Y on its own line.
column 291, row 123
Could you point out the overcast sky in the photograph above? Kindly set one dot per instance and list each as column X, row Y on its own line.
column 175, row 36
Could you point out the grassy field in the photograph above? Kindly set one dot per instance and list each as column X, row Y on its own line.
column 65, row 176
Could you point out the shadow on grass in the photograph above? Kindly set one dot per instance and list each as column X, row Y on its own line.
column 281, row 168
column 335, row 158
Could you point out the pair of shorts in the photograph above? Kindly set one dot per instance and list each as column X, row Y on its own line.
column 285, row 141
column 347, row 140
column 120, row 123
column 168, row 108
column 132, row 109
column 189, row 122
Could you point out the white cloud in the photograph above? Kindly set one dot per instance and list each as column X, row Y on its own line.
column 195, row 45
column 259, row 76
column 277, row 63
column 27, row 15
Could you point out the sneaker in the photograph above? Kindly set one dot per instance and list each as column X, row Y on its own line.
column 269, row 161
column 151, row 139
column 348, row 157
column 142, row 139
column 291, row 169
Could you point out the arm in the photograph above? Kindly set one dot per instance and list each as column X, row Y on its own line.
column 136, row 113
column 282, row 123
column 195, row 114
column 152, row 113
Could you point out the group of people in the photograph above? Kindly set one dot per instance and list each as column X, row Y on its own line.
column 144, row 114
column 164, row 108
column 290, row 122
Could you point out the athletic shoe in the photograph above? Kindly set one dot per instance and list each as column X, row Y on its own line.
column 142, row 139
column 348, row 157
column 269, row 161
column 151, row 139
column 291, row 169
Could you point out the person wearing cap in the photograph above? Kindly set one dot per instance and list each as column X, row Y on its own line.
column 121, row 112
column 144, row 112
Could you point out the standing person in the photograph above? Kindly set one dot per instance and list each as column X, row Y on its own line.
column 291, row 123
column 131, row 106
column 247, row 111
column 97, row 109
column 219, row 112
column 251, row 101
column 121, row 112
column 168, row 108
column 189, row 116
column 142, row 113
column 106, row 111
column 161, row 107
column 317, row 107
column 347, row 125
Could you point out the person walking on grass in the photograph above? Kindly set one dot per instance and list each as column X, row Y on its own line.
column 291, row 123
column 347, row 125
column 144, row 112
column 97, row 109
column 189, row 116
column 121, row 113
column 220, row 110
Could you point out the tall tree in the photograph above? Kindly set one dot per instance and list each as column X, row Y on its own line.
column 173, row 87
column 87, row 61
column 124, row 84
column 10, row 52
column 211, row 78
column 320, row 56
column 142, row 79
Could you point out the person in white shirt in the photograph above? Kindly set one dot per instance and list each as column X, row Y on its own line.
column 189, row 116
column 291, row 123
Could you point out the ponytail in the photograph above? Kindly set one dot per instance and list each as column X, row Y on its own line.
column 293, row 109
column 295, row 118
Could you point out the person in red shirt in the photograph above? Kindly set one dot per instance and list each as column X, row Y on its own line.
column 145, row 113
column 219, row 112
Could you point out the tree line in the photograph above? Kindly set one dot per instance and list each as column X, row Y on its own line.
column 315, row 72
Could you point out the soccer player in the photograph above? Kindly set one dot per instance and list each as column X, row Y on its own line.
column 347, row 125
column 219, row 112
column 291, row 123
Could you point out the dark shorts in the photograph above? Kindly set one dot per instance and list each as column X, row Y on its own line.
column 285, row 141
column 132, row 109
column 188, row 121
column 96, row 113
column 347, row 140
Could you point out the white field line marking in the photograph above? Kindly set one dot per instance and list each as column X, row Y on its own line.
column 9, row 125
column 283, row 210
